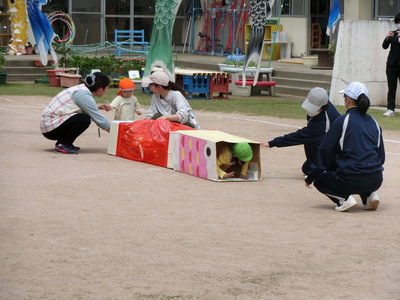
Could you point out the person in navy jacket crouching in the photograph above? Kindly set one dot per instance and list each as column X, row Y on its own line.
column 321, row 114
column 354, row 143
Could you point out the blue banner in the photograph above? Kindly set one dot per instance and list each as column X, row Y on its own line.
column 334, row 17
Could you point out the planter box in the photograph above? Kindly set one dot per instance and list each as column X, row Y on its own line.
column 138, row 84
column 54, row 76
column 68, row 80
column 310, row 60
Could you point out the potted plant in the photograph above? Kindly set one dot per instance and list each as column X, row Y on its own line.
column 69, row 78
column 3, row 72
column 332, row 50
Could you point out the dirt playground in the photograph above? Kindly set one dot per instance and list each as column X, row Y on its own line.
column 96, row 226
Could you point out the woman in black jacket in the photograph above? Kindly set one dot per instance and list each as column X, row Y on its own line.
column 350, row 158
column 392, row 39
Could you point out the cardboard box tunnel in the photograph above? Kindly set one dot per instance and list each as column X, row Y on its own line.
column 179, row 147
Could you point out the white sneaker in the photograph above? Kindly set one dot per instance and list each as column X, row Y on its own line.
column 389, row 113
column 347, row 204
column 372, row 201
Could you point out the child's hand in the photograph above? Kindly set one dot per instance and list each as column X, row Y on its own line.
column 243, row 176
column 105, row 107
column 229, row 175
column 265, row 144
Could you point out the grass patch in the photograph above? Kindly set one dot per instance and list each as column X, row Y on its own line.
column 257, row 106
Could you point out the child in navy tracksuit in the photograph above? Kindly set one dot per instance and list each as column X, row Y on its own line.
column 321, row 114
column 354, row 144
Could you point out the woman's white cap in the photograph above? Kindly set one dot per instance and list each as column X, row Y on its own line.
column 355, row 89
column 316, row 98
column 157, row 77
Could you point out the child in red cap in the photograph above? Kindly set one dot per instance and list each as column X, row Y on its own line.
column 125, row 104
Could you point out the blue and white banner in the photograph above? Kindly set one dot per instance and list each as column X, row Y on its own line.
column 334, row 17
column 42, row 30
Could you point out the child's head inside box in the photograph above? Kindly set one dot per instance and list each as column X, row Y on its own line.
column 210, row 154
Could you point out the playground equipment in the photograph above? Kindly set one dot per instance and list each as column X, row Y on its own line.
column 223, row 28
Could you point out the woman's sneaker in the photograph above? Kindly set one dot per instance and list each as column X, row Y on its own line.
column 75, row 147
column 389, row 113
column 372, row 201
column 347, row 204
column 67, row 149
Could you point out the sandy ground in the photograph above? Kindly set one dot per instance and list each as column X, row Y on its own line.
column 95, row 226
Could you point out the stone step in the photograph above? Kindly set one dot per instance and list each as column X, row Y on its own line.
column 26, row 70
column 26, row 74
column 27, row 77
column 302, row 75
column 301, row 83
column 293, row 91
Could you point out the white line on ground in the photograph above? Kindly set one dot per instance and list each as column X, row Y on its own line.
column 291, row 126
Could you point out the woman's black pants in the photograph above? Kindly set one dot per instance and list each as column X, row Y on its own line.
column 68, row 131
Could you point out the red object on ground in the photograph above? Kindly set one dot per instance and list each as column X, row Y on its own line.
column 146, row 140
column 259, row 83
column 219, row 84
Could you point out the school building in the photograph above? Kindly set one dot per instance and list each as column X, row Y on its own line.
column 96, row 20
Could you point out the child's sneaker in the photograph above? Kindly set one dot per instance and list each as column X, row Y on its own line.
column 67, row 149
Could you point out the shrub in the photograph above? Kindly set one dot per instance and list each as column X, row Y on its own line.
column 109, row 65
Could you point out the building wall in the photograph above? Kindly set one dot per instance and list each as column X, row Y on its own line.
column 358, row 10
column 297, row 29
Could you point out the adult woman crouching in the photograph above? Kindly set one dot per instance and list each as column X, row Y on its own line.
column 351, row 156
column 70, row 112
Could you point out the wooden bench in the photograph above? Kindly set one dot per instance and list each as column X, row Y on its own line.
column 260, row 84
column 130, row 41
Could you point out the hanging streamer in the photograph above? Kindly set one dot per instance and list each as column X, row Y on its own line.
column 19, row 23
column 42, row 31
column 160, row 51
column 261, row 10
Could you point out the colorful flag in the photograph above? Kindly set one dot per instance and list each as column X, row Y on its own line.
column 42, row 30
column 334, row 17
column 160, row 50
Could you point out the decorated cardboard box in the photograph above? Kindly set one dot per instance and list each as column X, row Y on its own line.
column 195, row 152
column 178, row 147
column 142, row 140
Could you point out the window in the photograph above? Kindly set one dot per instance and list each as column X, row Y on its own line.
column 93, row 6
column 118, row 7
column 88, row 32
column 292, row 7
column 55, row 5
column 388, row 8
